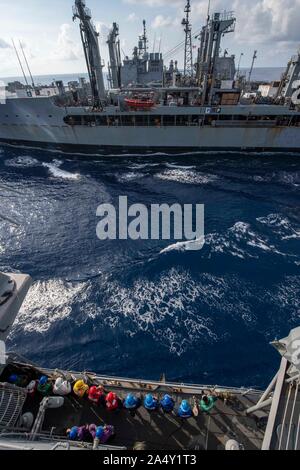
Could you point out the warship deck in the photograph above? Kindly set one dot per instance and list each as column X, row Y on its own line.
column 154, row 430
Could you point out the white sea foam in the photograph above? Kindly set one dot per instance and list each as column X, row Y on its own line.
column 240, row 241
column 179, row 167
column 187, row 177
column 184, row 246
column 128, row 177
column 22, row 162
column 143, row 166
column 57, row 172
column 47, row 303
column 281, row 226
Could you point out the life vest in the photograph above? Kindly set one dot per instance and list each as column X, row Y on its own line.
column 80, row 388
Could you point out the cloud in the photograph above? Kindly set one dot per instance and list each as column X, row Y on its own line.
column 4, row 44
column 259, row 21
column 132, row 17
column 161, row 21
column 103, row 30
column 155, row 3
column 66, row 48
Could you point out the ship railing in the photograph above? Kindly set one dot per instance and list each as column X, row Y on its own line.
column 57, row 441
column 12, row 400
column 225, row 15
column 175, row 387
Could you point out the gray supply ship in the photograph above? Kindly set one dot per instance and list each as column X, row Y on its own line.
column 208, row 106
column 40, row 408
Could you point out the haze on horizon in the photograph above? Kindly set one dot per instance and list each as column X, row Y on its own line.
column 52, row 41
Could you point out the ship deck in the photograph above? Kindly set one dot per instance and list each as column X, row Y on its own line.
column 155, row 430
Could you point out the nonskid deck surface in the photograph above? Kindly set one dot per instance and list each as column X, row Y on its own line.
column 157, row 430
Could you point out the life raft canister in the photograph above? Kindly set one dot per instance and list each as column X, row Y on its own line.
column 80, row 388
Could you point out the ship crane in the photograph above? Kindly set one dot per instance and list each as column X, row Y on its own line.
column 209, row 52
column 89, row 37
column 113, row 42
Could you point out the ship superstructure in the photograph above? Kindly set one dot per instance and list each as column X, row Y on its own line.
column 204, row 109
column 143, row 68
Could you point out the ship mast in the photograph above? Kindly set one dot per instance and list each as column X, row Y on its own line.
column 20, row 63
column 188, row 47
column 89, row 37
column 143, row 41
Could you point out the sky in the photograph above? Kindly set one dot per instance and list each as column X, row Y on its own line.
column 52, row 41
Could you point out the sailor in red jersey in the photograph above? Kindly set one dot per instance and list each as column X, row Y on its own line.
column 96, row 395
column 113, row 403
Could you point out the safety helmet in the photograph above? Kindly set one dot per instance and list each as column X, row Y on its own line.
column 149, row 400
column 43, row 380
column 100, row 432
column 167, row 401
column 130, row 401
column 185, row 406
column 73, row 433
column 13, row 379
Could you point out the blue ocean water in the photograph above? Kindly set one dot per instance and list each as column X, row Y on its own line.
column 125, row 308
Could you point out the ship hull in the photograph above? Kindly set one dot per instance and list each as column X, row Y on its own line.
column 38, row 122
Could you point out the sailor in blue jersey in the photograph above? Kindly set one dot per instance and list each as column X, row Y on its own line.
column 185, row 410
column 167, row 404
column 131, row 402
column 151, row 403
